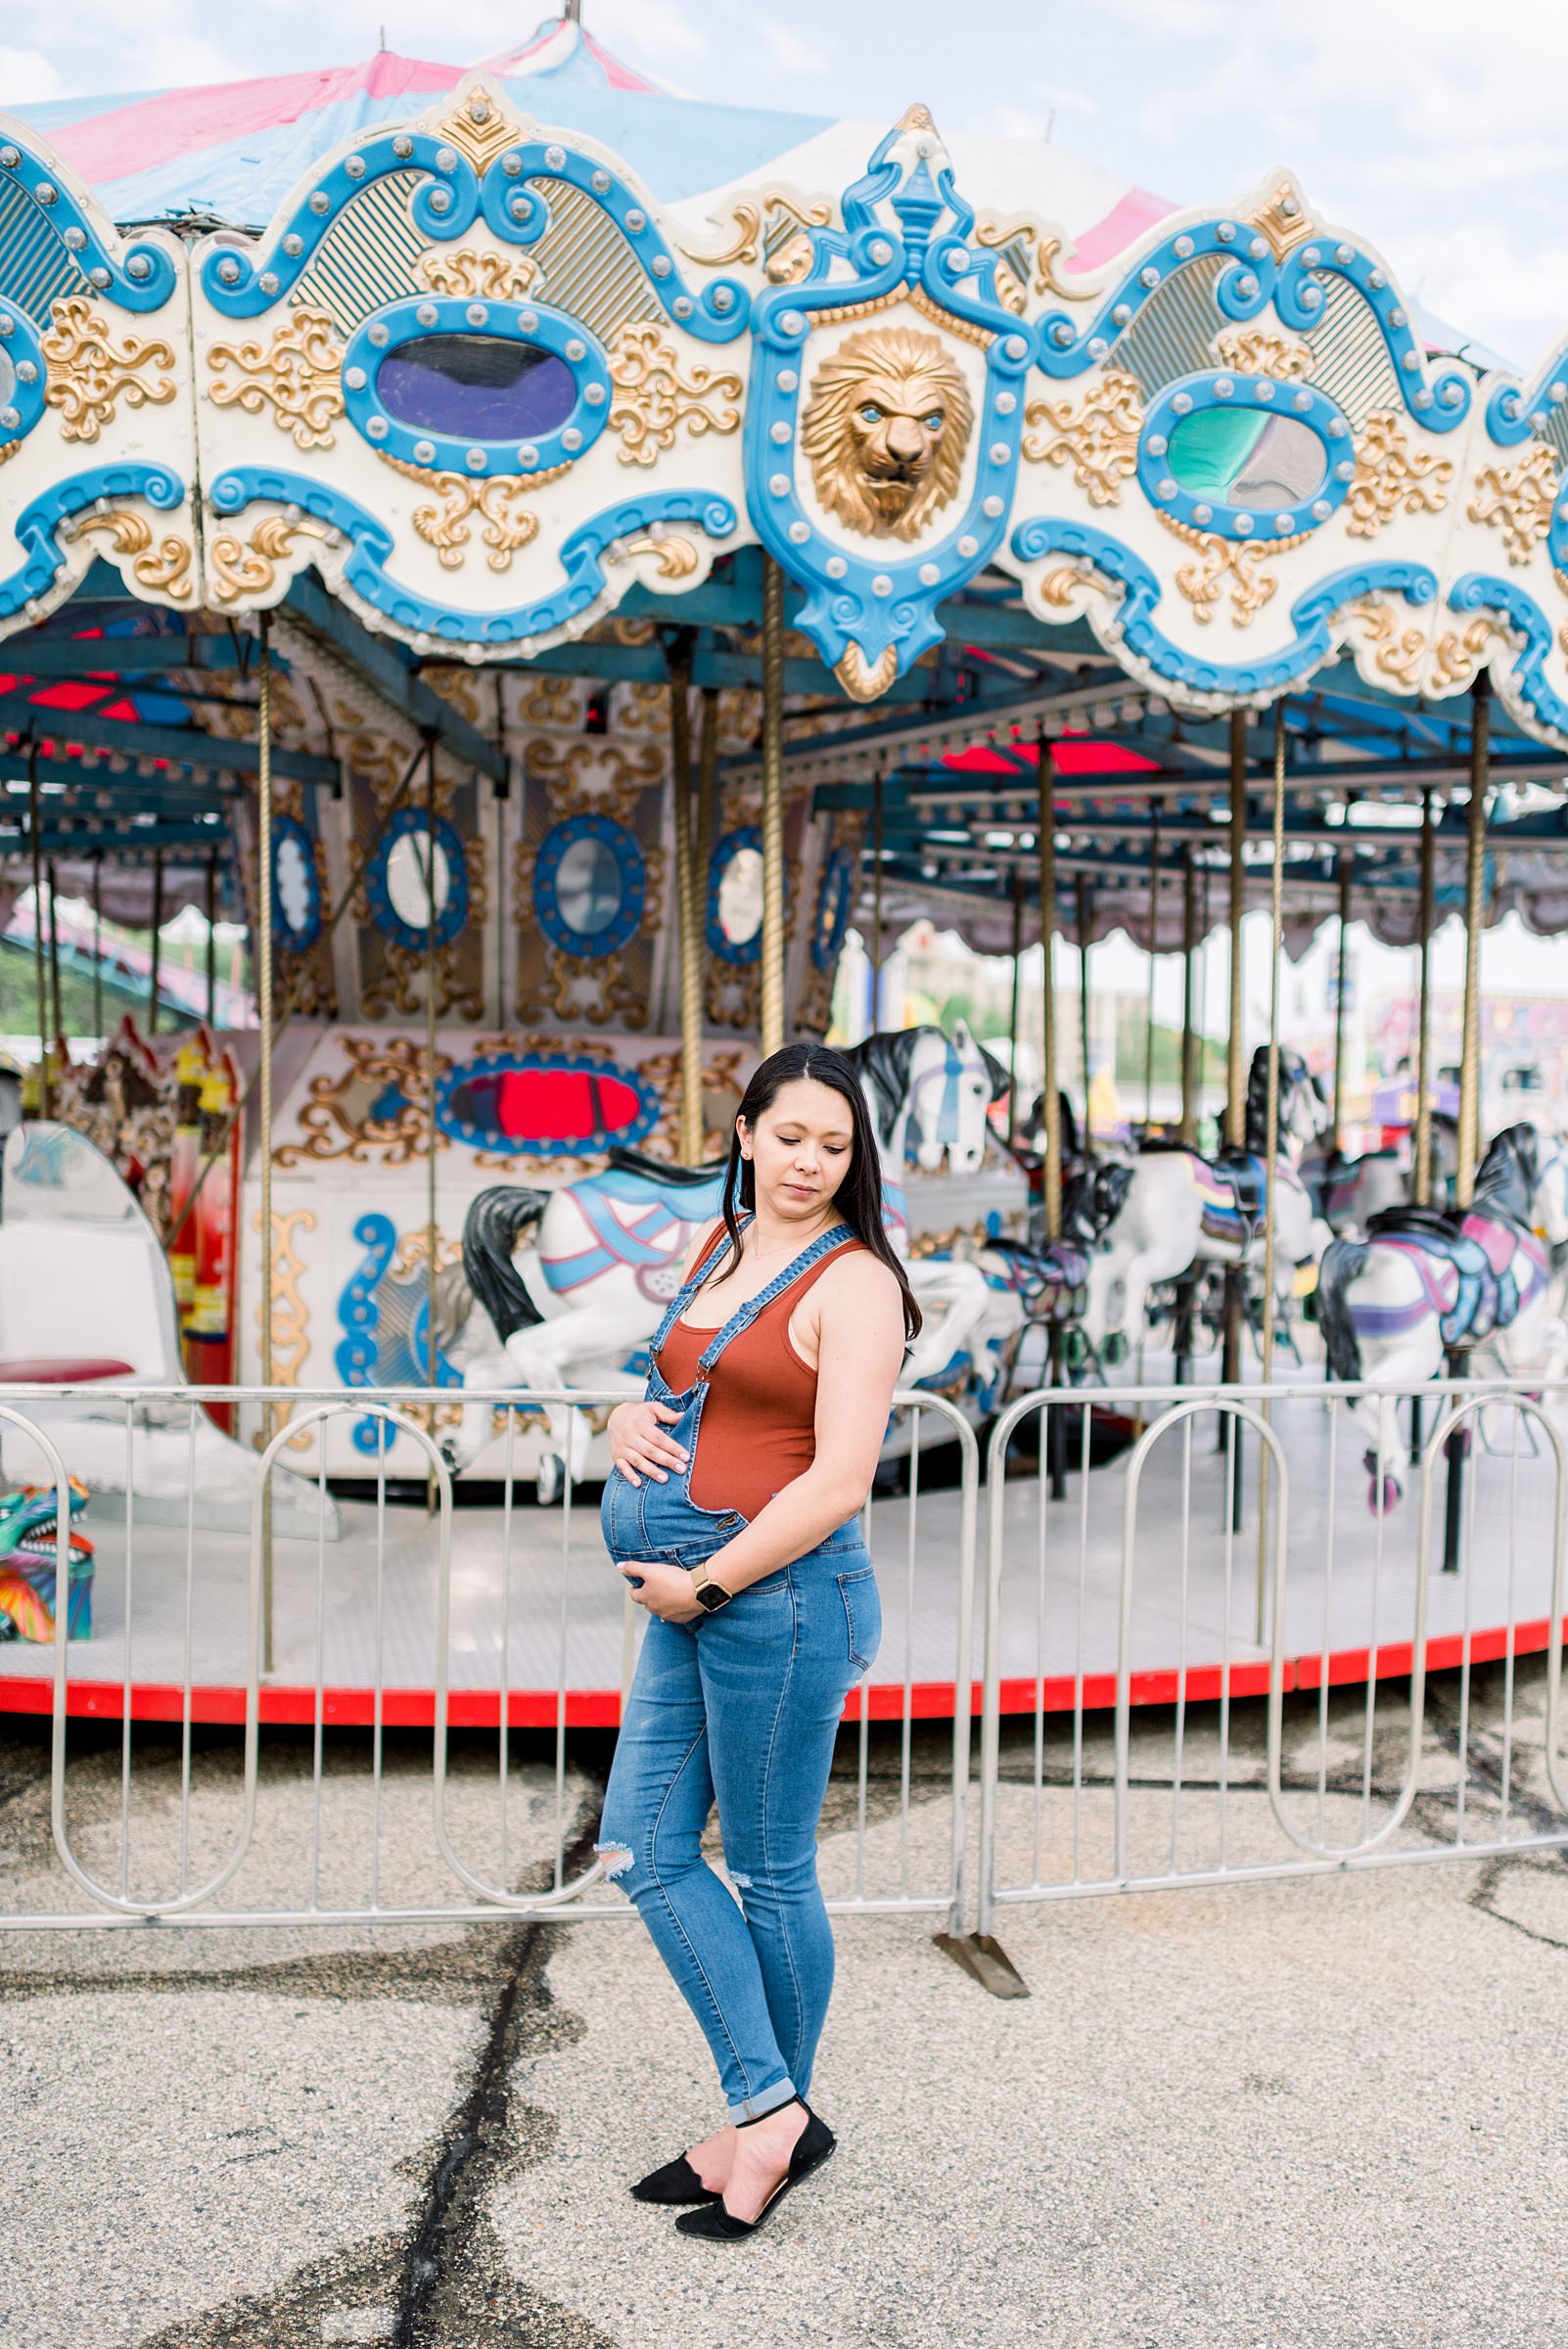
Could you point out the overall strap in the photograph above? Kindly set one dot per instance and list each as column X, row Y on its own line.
column 699, row 1273
column 745, row 1314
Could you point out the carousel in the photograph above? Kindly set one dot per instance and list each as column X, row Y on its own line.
column 549, row 558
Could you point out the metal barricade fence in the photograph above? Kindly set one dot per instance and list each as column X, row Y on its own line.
column 432, row 1626
column 1272, row 1544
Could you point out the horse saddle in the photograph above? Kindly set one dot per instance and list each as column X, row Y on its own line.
column 1429, row 1223
column 660, row 1170
column 1486, row 1295
column 1245, row 1175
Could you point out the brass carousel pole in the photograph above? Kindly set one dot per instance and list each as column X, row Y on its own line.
column 1276, row 882
column 1154, row 942
column 1341, row 988
column 1053, row 1435
column 56, row 1015
column 158, row 939
column 1084, row 901
column 98, row 943
column 1470, row 1150
column 212, row 940
column 774, row 938
column 876, row 901
column 1012, row 1023
column 689, row 1133
column 263, row 997
column 431, row 1236
column 1189, row 1002
column 1422, row 1186
column 1236, row 1125
column 39, row 975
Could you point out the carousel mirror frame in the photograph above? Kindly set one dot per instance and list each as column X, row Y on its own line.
column 587, row 945
column 550, row 1064
column 835, row 901
column 287, row 830
column 725, row 852
column 451, row 917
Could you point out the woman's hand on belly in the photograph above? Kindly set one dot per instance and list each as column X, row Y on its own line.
column 639, row 1444
column 665, row 1591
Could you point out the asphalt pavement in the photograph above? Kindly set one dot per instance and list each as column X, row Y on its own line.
column 1318, row 2113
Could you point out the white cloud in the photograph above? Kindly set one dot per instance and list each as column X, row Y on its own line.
column 649, row 28
column 791, row 54
column 29, row 78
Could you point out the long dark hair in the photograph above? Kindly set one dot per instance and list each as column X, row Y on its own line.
column 858, row 1197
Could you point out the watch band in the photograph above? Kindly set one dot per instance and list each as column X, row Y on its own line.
column 708, row 1594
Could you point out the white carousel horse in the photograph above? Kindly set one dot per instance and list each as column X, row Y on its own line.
column 576, row 1305
column 1182, row 1210
column 1422, row 1285
column 1349, row 1192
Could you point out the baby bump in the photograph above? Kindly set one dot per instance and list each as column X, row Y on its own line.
column 621, row 1518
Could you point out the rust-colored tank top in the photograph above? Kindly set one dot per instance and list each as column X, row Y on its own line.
column 758, row 1422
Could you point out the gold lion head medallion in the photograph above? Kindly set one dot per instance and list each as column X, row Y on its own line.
column 886, row 430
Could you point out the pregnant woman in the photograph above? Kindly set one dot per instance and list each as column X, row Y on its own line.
column 734, row 1512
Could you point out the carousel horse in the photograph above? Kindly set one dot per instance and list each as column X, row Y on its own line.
column 1424, row 1285
column 1348, row 1192
column 1182, row 1210
column 577, row 1305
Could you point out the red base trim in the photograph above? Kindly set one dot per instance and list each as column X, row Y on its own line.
column 600, row 1708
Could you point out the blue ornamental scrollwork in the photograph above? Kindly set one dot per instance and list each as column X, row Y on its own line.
column 1260, row 398
column 241, row 282
column 593, row 842
column 22, row 373
column 451, row 916
column 582, row 553
column 38, row 526
column 871, row 609
column 140, row 277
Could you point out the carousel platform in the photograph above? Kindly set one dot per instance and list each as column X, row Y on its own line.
column 538, row 1617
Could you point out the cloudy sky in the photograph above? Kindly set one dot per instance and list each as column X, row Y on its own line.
column 1444, row 149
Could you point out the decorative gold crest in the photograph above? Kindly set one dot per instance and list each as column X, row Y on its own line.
column 1100, row 439
column 299, row 375
column 886, row 430
column 475, row 274
column 88, row 372
column 653, row 400
column 1518, row 500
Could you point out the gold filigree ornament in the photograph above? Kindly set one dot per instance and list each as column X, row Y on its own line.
column 774, row 231
column 1395, row 653
column 508, row 527
column 475, row 274
column 479, row 130
column 1283, row 219
column 1455, row 657
column 164, row 568
column 1100, row 439
column 653, row 399
column 886, row 430
column 297, row 375
column 337, row 1120
column 249, row 567
column 1252, row 352
column 1238, row 561
column 89, row 373
column 674, row 557
column 1390, row 477
column 1518, row 500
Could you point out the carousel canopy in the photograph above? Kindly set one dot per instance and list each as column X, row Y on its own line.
column 533, row 368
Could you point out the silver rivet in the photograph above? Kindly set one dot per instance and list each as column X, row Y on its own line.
column 1185, row 248
column 228, row 270
column 475, row 460
column 600, row 183
column 1263, row 389
column 992, row 507
column 779, row 432
column 1000, row 452
column 882, row 584
column 779, row 486
column 1396, row 316
column 98, row 277
column 46, row 192
column 355, row 166
column 787, row 380
column 836, row 567
column 1156, row 444
column 10, row 158
column 138, row 266
column 1202, row 513
column 1149, row 277
column 555, row 156
column 426, row 313
column 1242, row 526
column 799, row 531
column 378, row 334
column 1410, row 360
column 1321, row 509
column 377, row 428
column 476, row 314
column 268, row 281
column 880, row 251
column 1284, row 524
column 512, row 165
column 682, row 305
column 320, row 202
column 446, row 158
column 724, row 299
column 968, row 547
column 1338, row 427
column 423, row 453
column 355, row 378
column 1165, row 488
column 74, row 239
column 527, row 457
column 572, row 437
column 440, row 200
column 636, row 221
column 577, row 348
column 293, row 245
column 1227, row 232
column 1182, row 403
column 1223, row 387
column 595, row 396
column 402, row 146
column 660, row 265
column 1121, row 315
column 1006, row 402
column 1344, row 470
column 1061, row 333
column 1377, row 281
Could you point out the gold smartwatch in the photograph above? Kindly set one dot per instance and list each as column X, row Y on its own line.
column 709, row 1595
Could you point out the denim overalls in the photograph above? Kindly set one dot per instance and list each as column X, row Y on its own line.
column 743, row 1705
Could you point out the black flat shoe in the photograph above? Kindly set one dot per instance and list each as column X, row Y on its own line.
column 716, row 2225
column 676, row 2181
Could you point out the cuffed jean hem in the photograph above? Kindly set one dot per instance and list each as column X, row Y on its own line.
column 765, row 2100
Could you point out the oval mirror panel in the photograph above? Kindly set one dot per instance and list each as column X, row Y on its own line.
column 740, row 897
column 296, row 887
column 406, row 885
column 476, row 388
column 1247, row 457
column 588, row 887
